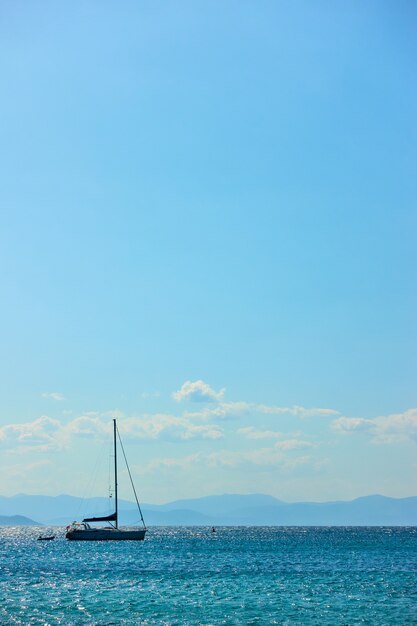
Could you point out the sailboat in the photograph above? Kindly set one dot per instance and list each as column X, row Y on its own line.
column 82, row 531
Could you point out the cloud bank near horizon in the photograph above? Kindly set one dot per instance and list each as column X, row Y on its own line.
column 227, row 438
column 48, row 432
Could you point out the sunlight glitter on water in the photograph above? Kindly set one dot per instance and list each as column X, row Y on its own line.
column 188, row 576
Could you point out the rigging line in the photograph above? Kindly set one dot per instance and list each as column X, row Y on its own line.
column 110, row 474
column 131, row 480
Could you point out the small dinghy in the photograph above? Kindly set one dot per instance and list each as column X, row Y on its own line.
column 46, row 538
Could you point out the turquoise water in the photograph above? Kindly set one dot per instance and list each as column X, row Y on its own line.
column 192, row 576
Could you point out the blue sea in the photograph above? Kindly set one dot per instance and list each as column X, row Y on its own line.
column 191, row 576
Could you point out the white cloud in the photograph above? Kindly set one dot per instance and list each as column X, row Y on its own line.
column 251, row 433
column 397, row 427
column 170, row 427
column 158, row 426
column 293, row 444
column 198, row 391
column 279, row 455
column 394, row 428
column 89, row 425
column 42, row 434
column 282, row 444
column 46, row 433
column 348, row 424
column 297, row 411
column 222, row 411
column 53, row 395
column 234, row 410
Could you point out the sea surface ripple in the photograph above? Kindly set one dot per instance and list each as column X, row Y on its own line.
column 191, row 576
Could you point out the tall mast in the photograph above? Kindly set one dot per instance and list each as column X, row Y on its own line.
column 115, row 467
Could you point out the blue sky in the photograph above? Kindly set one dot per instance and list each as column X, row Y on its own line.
column 208, row 220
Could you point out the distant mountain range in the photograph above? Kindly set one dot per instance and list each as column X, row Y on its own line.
column 17, row 520
column 224, row 510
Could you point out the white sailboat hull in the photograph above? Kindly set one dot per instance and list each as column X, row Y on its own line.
column 105, row 534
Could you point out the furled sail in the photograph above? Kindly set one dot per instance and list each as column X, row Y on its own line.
column 107, row 518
